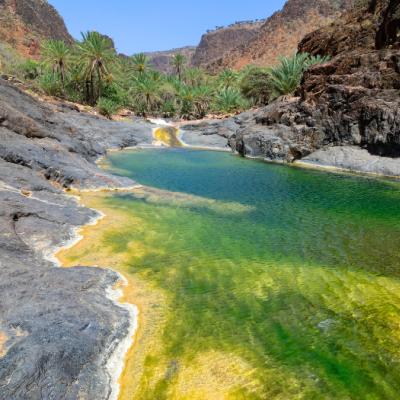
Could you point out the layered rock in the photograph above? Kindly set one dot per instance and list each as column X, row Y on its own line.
column 25, row 23
column 57, row 327
column 280, row 34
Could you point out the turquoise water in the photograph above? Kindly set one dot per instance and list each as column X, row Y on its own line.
column 295, row 272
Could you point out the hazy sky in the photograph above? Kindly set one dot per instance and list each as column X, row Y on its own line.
column 152, row 25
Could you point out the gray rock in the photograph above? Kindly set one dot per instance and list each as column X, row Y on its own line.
column 355, row 159
column 60, row 327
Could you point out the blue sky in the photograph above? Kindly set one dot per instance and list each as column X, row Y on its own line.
column 152, row 25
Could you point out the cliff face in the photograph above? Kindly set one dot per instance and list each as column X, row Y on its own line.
column 220, row 41
column 281, row 33
column 346, row 113
column 161, row 60
column 24, row 23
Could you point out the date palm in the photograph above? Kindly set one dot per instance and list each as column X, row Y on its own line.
column 285, row 78
column 227, row 79
column 56, row 54
column 96, row 56
column 202, row 98
column 194, row 77
column 178, row 61
column 146, row 91
column 141, row 63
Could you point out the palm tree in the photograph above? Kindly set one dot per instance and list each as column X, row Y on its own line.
column 141, row 63
column 178, row 61
column 96, row 56
column 194, row 77
column 56, row 54
column 186, row 98
column 285, row 78
column 146, row 91
column 227, row 79
column 202, row 98
column 229, row 100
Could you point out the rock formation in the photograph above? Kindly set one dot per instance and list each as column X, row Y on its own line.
column 57, row 327
column 280, row 34
column 352, row 100
column 25, row 23
column 161, row 60
column 216, row 43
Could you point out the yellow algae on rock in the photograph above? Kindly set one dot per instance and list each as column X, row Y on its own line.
column 3, row 341
column 167, row 135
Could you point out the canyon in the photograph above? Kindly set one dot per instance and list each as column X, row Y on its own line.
column 58, row 327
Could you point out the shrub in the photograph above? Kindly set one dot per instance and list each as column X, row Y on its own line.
column 116, row 94
column 50, row 84
column 107, row 107
column 229, row 100
column 254, row 86
column 29, row 69
column 168, row 108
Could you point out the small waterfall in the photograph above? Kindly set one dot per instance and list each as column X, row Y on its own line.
column 165, row 134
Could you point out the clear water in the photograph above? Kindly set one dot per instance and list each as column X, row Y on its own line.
column 282, row 283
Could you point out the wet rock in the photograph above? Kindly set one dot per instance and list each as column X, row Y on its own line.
column 60, row 326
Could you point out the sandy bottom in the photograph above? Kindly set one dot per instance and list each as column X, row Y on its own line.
column 211, row 375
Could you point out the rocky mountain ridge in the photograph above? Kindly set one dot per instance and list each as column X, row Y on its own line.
column 161, row 60
column 25, row 23
column 280, row 34
column 220, row 41
column 346, row 113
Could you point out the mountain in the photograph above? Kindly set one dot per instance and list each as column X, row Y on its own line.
column 278, row 35
column 161, row 60
column 220, row 41
column 346, row 111
column 25, row 23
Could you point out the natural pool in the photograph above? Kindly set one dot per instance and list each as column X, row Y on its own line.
column 253, row 281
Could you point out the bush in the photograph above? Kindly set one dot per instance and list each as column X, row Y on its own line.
column 254, row 86
column 229, row 100
column 29, row 70
column 51, row 84
column 107, row 107
column 168, row 109
column 116, row 94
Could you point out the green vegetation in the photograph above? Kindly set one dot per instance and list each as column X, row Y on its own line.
column 91, row 72
column 285, row 77
column 107, row 107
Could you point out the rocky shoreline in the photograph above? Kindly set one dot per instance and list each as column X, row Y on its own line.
column 62, row 326
column 59, row 328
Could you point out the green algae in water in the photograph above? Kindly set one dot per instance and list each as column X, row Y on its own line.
column 294, row 272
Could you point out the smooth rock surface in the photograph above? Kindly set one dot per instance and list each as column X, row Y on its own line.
column 59, row 325
column 354, row 159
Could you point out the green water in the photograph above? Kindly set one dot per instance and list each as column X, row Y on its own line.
column 294, row 271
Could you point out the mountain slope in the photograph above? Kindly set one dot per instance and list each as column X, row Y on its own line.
column 218, row 42
column 24, row 23
column 280, row 33
column 161, row 60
